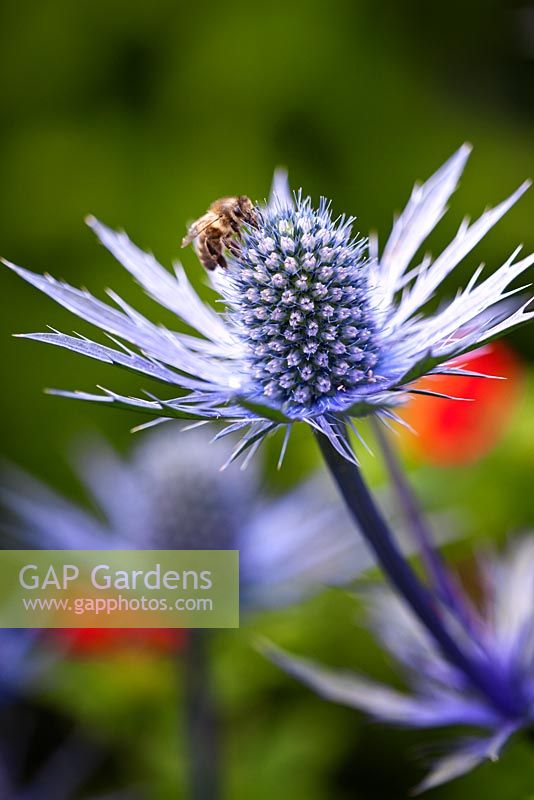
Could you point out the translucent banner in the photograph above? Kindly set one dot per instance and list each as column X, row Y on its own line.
column 119, row 589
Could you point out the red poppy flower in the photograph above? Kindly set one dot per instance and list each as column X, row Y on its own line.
column 106, row 641
column 453, row 432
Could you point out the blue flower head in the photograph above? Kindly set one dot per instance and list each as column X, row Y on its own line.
column 300, row 303
column 170, row 494
column 319, row 327
column 439, row 694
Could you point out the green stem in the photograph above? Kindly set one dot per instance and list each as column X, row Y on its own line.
column 448, row 591
column 202, row 730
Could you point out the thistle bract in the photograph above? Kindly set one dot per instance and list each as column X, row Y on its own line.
column 501, row 636
column 319, row 327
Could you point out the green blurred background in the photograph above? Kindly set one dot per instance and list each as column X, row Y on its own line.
column 143, row 113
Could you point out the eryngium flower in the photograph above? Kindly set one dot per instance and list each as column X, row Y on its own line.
column 440, row 694
column 318, row 326
column 170, row 494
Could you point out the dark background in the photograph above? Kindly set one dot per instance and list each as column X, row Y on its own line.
column 142, row 113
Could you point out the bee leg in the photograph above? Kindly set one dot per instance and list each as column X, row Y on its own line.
column 235, row 224
column 216, row 257
column 208, row 263
column 233, row 247
column 229, row 242
column 207, row 256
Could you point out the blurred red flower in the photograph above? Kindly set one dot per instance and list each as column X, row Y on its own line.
column 454, row 432
column 106, row 641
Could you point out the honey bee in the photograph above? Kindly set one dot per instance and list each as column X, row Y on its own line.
column 218, row 229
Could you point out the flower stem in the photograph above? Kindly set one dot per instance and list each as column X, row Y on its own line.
column 449, row 593
column 376, row 532
column 200, row 720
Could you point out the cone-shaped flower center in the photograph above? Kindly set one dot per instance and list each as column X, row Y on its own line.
column 301, row 303
column 191, row 505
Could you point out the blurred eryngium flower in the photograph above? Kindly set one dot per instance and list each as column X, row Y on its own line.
column 20, row 663
column 171, row 495
column 318, row 327
column 440, row 694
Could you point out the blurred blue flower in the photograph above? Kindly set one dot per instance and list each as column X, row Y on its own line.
column 440, row 694
column 318, row 327
column 170, row 494
column 21, row 663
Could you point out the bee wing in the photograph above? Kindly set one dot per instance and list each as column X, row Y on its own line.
column 196, row 228
column 192, row 233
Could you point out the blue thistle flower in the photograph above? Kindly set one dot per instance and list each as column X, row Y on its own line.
column 502, row 635
column 169, row 495
column 318, row 326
